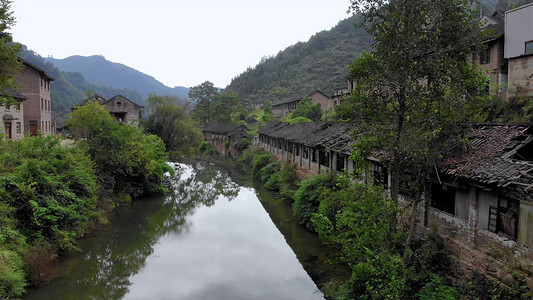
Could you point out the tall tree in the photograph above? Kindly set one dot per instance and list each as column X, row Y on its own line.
column 169, row 120
column 228, row 107
column 9, row 65
column 204, row 95
column 417, row 92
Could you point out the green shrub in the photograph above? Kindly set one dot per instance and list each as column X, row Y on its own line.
column 437, row 289
column 267, row 171
column 259, row 162
column 307, row 197
column 12, row 245
column 273, row 182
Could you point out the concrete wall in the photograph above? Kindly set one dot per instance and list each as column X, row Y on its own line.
column 518, row 25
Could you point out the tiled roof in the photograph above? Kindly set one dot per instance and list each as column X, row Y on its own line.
column 329, row 135
column 492, row 157
column 13, row 94
column 222, row 127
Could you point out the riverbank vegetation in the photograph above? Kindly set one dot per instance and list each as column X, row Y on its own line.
column 358, row 222
column 51, row 194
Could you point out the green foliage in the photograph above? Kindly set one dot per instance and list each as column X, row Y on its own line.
column 305, row 66
column 267, row 107
column 437, row 289
column 416, row 99
column 12, row 245
column 9, row 67
column 308, row 110
column 259, row 162
column 128, row 161
column 307, row 197
column 53, row 188
column 518, row 109
column 167, row 119
column 204, row 95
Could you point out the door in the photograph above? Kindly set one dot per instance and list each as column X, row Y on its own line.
column 33, row 128
column 7, row 126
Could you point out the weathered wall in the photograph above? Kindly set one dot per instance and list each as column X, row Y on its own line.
column 16, row 124
column 521, row 75
column 37, row 108
column 525, row 224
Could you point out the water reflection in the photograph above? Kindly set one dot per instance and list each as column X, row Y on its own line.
column 183, row 246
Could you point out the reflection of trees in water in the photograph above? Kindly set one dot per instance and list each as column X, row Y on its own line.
column 105, row 270
column 204, row 185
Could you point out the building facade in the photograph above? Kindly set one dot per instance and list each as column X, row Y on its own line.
column 121, row 108
column 12, row 123
column 35, row 86
column 519, row 49
column 224, row 137
column 284, row 107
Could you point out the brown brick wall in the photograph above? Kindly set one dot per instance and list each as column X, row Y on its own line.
column 38, row 106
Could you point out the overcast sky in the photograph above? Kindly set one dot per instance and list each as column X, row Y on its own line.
column 179, row 42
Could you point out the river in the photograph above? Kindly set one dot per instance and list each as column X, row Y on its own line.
column 212, row 237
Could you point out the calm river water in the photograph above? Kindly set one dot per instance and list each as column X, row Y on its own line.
column 211, row 238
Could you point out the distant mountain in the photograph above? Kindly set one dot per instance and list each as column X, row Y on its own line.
column 70, row 88
column 318, row 64
column 98, row 70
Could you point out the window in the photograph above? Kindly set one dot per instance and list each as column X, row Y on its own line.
column 18, row 128
column 443, row 198
column 529, row 47
column 484, row 57
column 119, row 104
column 42, row 104
column 323, row 157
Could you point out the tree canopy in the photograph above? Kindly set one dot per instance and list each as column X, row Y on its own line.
column 168, row 119
column 417, row 93
column 9, row 64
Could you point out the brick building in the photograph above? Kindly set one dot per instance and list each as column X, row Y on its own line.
column 284, row 107
column 124, row 110
column 35, row 86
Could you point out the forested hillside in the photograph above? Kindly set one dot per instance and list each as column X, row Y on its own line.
column 319, row 63
column 98, row 70
column 69, row 88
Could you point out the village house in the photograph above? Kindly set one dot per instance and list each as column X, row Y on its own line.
column 13, row 116
column 481, row 200
column 519, row 49
column 224, row 137
column 121, row 108
column 35, row 86
column 491, row 60
column 284, row 107
column 484, row 192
